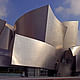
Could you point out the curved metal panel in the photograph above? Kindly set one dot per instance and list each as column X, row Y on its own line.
column 33, row 53
column 55, row 30
column 5, row 42
column 33, row 24
column 10, row 27
column 4, row 35
column 39, row 24
column 78, row 38
column 4, row 38
column 76, row 52
column 70, row 39
column 42, row 24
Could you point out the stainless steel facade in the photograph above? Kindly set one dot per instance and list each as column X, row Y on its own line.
column 34, row 53
column 5, row 44
column 70, row 38
column 33, row 24
column 54, row 30
column 41, row 27
column 4, row 38
column 76, row 52
column 39, row 39
column 5, row 35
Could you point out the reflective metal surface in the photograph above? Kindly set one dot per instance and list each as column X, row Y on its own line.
column 78, row 38
column 13, row 28
column 41, row 40
column 6, row 35
column 55, row 30
column 70, row 39
column 76, row 52
column 31, row 52
column 4, row 38
column 42, row 24
column 38, row 24
column 33, row 24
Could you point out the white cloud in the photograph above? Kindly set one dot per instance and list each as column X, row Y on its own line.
column 3, row 8
column 59, row 9
column 73, row 7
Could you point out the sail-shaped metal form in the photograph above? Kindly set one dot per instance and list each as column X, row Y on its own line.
column 55, row 30
column 33, row 29
column 33, row 53
column 70, row 38
column 41, row 39
column 33, row 24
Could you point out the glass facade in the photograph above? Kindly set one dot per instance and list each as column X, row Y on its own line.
column 24, row 71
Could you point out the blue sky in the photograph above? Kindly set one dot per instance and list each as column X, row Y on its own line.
column 11, row 10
